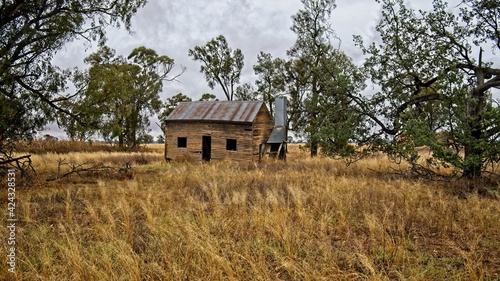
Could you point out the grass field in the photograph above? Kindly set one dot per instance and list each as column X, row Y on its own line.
column 306, row 219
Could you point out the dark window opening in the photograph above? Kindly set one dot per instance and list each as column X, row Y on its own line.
column 181, row 142
column 231, row 144
column 275, row 147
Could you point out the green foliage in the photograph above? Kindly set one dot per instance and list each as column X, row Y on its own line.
column 271, row 78
column 433, row 91
column 32, row 32
column 340, row 125
column 320, row 80
column 147, row 138
column 208, row 97
column 246, row 92
column 118, row 95
column 220, row 64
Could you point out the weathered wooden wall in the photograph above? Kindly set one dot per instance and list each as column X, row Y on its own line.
column 262, row 127
column 248, row 135
column 219, row 132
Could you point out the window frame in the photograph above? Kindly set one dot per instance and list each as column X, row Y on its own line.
column 180, row 141
column 231, row 145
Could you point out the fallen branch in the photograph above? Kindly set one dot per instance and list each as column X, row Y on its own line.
column 89, row 169
column 10, row 160
column 22, row 164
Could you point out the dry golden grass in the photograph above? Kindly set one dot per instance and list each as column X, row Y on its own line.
column 306, row 219
column 42, row 146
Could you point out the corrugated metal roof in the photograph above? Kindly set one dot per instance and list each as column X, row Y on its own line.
column 227, row 111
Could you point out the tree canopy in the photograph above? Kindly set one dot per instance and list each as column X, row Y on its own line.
column 31, row 88
column 319, row 79
column 220, row 64
column 435, row 84
column 118, row 95
column 270, row 78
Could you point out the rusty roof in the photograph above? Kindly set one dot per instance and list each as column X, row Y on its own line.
column 226, row 111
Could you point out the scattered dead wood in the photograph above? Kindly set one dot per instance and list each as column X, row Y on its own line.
column 22, row 164
column 91, row 169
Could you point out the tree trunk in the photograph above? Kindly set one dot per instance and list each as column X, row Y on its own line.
column 134, row 123
column 473, row 167
column 120, row 140
column 473, row 152
column 473, row 157
column 314, row 148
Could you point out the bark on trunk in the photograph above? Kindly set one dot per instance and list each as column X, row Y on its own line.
column 473, row 150
column 314, row 148
column 473, row 153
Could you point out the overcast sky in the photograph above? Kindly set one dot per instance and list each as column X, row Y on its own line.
column 173, row 27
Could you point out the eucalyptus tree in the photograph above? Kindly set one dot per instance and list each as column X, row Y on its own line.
column 320, row 80
column 118, row 95
column 340, row 125
column 208, row 97
column 246, row 92
column 435, row 84
column 31, row 32
column 220, row 64
column 314, row 33
column 270, row 78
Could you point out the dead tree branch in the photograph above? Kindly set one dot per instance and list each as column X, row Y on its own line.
column 91, row 170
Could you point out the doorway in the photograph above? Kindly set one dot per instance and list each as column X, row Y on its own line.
column 206, row 148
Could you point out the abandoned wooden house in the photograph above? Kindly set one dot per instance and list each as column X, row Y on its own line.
column 219, row 130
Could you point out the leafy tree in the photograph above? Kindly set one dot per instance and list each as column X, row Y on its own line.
column 318, row 84
column 31, row 33
column 339, row 122
column 295, row 85
column 313, row 40
column 220, row 64
column 318, row 81
column 436, row 84
column 208, row 97
column 147, row 138
column 119, row 95
column 160, row 139
column 246, row 92
column 271, row 81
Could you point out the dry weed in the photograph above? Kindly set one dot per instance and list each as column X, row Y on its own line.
column 306, row 219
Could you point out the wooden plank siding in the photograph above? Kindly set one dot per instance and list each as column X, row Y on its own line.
column 248, row 136
column 262, row 127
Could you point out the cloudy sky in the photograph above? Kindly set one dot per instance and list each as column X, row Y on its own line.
column 173, row 27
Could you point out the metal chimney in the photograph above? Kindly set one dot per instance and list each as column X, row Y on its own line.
column 279, row 133
column 280, row 111
column 276, row 145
